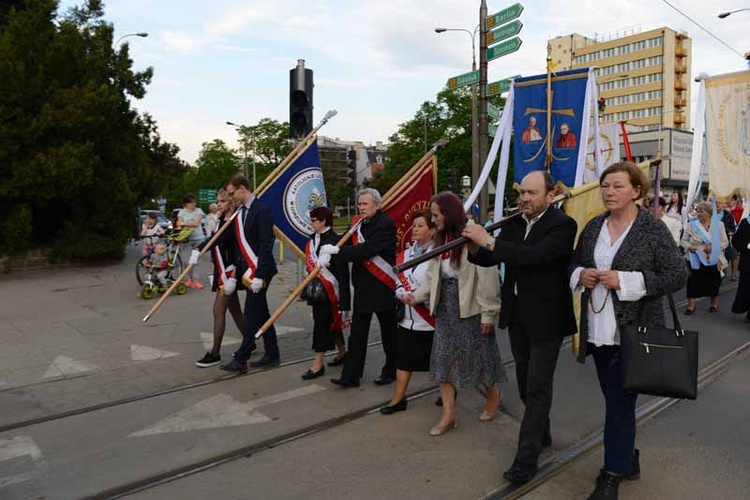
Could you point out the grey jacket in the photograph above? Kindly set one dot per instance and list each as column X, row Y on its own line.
column 648, row 248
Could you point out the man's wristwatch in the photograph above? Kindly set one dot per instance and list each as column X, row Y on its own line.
column 490, row 243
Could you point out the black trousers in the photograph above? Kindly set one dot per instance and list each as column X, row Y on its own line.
column 354, row 365
column 535, row 370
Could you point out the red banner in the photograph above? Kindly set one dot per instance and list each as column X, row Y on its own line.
column 414, row 195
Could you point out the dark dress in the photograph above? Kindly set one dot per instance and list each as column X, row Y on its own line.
column 739, row 242
column 226, row 250
column 324, row 336
column 415, row 335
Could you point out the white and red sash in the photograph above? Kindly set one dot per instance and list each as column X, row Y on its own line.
column 247, row 252
column 223, row 271
column 406, row 281
column 377, row 266
column 330, row 285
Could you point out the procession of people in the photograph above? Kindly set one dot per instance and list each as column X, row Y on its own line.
column 442, row 315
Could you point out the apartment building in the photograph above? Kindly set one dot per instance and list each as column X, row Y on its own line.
column 643, row 76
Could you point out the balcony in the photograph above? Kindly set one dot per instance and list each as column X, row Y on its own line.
column 679, row 103
column 679, row 86
column 678, row 119
column 680, row 51
column 680, row 68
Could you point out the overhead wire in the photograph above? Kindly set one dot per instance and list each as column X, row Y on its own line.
column 704, row 29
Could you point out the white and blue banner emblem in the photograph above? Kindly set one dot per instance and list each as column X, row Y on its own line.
column 568, row 128
column 294, row 193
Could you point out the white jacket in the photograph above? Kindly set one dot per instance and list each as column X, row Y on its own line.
column 417, row 276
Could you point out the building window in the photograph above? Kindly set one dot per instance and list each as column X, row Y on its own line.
column 639, row 45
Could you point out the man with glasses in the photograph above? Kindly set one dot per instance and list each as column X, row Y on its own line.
column 253, row 238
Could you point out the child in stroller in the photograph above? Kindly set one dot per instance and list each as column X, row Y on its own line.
column 159, row 273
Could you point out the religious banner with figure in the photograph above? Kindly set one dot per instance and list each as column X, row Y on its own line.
column 548, row 132
column 728, row 132
column 609, row 149
column 291, row 196
column 412, row 196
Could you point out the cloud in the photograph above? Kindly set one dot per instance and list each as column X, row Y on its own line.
column 184, row 41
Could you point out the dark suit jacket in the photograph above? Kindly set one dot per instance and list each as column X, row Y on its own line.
column 739, row 242
column 258, row 229
column 370, row 294
column 538, row 268
column 338, row 268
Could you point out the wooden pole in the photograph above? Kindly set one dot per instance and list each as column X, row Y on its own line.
column 394, row 189
column 548, row 157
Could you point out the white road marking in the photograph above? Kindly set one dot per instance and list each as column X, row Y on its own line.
column 16, row 448
column 208, row 340
column 283, row 330
column 223, row 410
column 145, row 353
column 63, row 365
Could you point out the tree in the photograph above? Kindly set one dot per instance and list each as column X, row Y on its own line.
column 267, row 143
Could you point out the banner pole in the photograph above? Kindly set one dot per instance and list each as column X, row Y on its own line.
column 394, row 189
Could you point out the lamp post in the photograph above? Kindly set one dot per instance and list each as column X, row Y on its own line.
column 141, row 34
column 474, row 110
column 727, row 14
column 244, row 150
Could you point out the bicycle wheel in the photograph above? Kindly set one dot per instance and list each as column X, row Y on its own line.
column 141, row 270
column 177, row 269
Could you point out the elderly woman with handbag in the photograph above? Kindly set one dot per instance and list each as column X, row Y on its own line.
column 328, row 293
column 626, row 261
column 704, row 240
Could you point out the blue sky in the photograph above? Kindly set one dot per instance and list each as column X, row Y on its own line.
column 374, row 62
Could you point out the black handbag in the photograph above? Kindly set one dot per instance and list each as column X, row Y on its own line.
column 659, row 361
column 314, row 292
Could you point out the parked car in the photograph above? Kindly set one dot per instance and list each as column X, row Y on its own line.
column 165, row 223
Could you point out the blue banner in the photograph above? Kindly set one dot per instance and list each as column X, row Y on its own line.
column 294, row 193
column 530, row 124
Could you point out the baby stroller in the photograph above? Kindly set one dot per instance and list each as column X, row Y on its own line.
column 157, row 272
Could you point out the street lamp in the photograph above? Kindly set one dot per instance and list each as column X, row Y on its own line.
column 727, row 14
column 474, row 110
column 141, row 34
column 244, row 149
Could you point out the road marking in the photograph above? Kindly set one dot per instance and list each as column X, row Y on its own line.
column 283, row 330
column 145, row 353
column 208, row 340
column 16, row 449
column 222, row 410
column 63, row 366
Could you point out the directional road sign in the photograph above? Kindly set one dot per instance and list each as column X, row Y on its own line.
column 503, row 49
column 494, row 111
column 504, row 32
column 504, row 16
column 492, row 130
column 469, row 78
column 500, row 86
column 207, row 195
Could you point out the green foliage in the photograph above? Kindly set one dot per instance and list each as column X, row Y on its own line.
column 74, row 152
column 17, row 230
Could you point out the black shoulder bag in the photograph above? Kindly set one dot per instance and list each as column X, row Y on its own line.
column 659, row 361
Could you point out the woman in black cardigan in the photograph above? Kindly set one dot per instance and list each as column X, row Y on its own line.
column 327, row 316
column 625, row 259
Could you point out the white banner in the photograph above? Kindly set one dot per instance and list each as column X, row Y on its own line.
column 728, row 132
column 609, row 149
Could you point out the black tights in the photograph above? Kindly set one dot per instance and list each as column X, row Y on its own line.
column 221, row 304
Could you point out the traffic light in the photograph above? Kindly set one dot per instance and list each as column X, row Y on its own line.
column 300, row 100
column 351, row 164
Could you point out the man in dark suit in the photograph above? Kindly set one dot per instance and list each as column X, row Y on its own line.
column 537, row 306
column 252, row 236
column 373, row 254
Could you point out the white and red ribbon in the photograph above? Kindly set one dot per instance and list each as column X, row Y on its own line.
column 330, row 285
column 247, row 253
column 377, row 266
column 407, row 284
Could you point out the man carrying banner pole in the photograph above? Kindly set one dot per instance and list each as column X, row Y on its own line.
column 253, row 236
column 373, row 255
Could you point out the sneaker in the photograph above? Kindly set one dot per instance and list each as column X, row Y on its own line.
column 235, row 367
column 189, row 283
column 197, row 285
column 208, row 360
column 265, row 362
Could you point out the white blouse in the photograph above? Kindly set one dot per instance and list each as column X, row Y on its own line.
column 603, row 325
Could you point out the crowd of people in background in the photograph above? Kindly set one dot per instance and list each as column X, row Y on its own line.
column 441, row 316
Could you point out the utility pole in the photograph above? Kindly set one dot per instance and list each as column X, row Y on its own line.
column 483, row 130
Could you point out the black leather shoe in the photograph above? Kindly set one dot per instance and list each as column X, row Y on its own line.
column 265, row 362
column 337, row 361
column 520, row 474
column 309, row 374
column 713, row 310
column 607, row 485
column 344, row 382
column 400, row 406
column 384, row 380
column 235, row 367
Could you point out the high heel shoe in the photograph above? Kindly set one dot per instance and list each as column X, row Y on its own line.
column 439, row 430
column 486, row 415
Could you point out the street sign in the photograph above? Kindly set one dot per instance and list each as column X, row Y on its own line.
column 469, row 78
column 494, row 111
column 207, row 195
column 504, row 16
column 500, row 86
column 503, row 49
column 503, row 32
column 492, row 130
